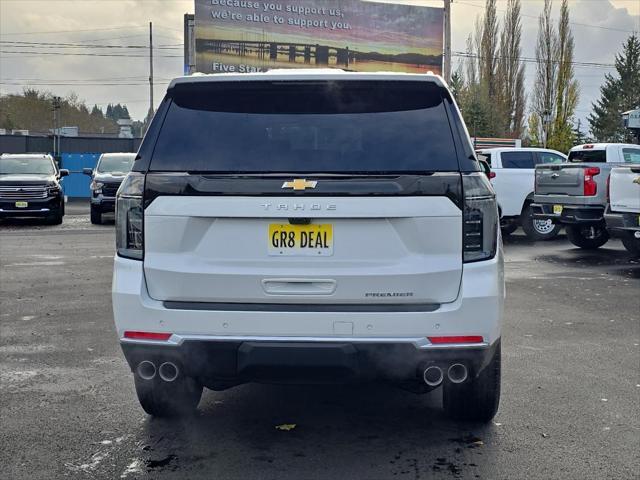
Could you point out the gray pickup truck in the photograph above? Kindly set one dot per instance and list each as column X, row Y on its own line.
column 574, row 194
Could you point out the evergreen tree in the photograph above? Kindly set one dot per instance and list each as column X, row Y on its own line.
column 96, row 112
column 579, row 137
column 457, row 85
column 618, row 94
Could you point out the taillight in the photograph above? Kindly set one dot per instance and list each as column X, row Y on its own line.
column 590, row 185
column 135, row 335
column 129, row 217
column 492, row 174
column 480, row 218
column 456, row 339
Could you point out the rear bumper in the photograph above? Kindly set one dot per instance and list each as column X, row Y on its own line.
column 215, row 362
column 41, row 207
column 570, row 215
column 622, row 221
column 241, row 344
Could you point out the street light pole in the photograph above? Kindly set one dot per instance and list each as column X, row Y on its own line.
column 56, row 108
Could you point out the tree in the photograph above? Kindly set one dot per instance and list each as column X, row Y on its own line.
column 618, row 94
column 481, row 60
column 567, row 89
column 457, row 85
column 556, row 91
column 579, row 137
column 31, row 110
column 544, row 98
column 510, row 73
column 96, row 112
column 492, row 96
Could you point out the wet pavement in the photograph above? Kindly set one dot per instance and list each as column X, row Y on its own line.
column 570, row 404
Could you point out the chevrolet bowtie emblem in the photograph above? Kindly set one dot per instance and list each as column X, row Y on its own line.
column 300, row 184
column 637, row 180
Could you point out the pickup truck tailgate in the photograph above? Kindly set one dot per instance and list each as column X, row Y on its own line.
column 559, row 180
column 625, row 189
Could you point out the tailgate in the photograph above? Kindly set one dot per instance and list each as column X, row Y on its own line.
column 386, row 250
column 625, row 189
column 564, row 179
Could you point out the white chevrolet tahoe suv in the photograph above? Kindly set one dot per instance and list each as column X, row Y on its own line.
column 309, row 226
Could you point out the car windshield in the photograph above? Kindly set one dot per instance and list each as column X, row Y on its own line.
column 27, row 165
column 115, row 163
column 370, row 127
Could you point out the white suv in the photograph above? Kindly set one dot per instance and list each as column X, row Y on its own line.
column 309, row 226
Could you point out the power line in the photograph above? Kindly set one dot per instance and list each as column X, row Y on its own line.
column 78, row 84
column 70, row 31
column 571, row 23
column 32, row 53
column 102, row 79
column 17, row 44
column 533, row 60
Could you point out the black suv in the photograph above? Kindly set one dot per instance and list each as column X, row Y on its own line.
column 105, row 181
column 30, row 187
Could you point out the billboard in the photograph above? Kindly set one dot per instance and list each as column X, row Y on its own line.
column 255, row 35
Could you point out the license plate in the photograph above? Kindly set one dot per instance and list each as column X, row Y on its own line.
column 22, row 204
column 300, row 240
column 557, row 209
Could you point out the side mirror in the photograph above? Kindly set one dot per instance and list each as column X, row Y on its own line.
column 64, row 172
column 486, row 169
column 87, row 171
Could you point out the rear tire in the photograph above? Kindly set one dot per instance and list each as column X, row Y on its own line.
column 96, row 216
column 538, row 229
column 631, row 243
column 589, row 238
column 168, row 399
column 477, row 399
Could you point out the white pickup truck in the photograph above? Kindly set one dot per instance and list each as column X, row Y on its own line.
column 623, row 211
column 513, row 177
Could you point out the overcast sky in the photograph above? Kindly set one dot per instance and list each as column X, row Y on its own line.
column 599, row 28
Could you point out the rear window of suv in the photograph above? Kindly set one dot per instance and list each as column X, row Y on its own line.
column 321, row 127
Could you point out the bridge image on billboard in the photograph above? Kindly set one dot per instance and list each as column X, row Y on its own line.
column 252, row 35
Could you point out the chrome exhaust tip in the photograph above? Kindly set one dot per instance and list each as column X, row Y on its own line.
column 168, row 371
column 432, row 376
column 146, row 370
column 457, row 373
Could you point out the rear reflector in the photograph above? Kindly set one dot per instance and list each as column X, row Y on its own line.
column 147, row 336
column 457, row 339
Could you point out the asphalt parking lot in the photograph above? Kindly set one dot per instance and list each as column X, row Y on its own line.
column 570, row 403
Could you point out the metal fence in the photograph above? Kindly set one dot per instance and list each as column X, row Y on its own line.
column 34, row 144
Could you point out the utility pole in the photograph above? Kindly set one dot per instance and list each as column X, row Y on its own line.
column 150, row 115
column 446, row 69
column 55, row 107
